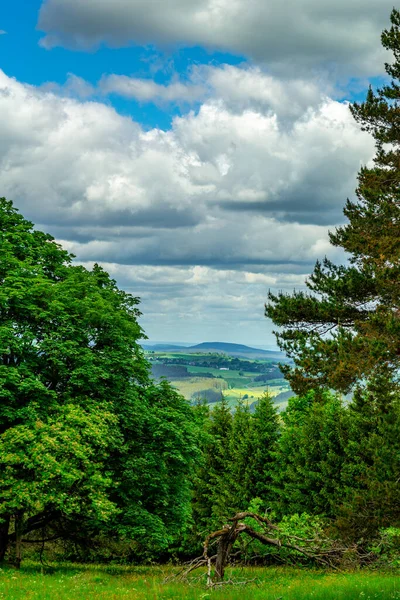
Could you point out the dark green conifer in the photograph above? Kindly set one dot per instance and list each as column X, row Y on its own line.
column 211, row 489
column 370, row 474
column 310, row 456
column 266, row 430
column 243, row 444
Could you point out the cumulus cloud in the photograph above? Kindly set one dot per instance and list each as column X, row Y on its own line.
column 243, row 87
column 291, row 35
column 233, row 199
column 240, row 88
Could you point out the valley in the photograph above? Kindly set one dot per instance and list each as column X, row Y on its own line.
column 212, row 370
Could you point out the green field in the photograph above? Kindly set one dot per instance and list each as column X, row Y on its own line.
column 188, row 387
column 235, row 383
column 74, row 582
column 251, row 394
column 215, row 372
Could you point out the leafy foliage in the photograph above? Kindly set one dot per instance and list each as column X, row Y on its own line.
column 84, row 433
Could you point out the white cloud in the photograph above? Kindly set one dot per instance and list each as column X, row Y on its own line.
column 74, row 87
column 291, row 35
column 244, row 87
column 202, row 303
column 146, row 90
column 200, row 219
column 240, row 88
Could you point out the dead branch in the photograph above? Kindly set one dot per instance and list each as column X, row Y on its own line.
column 323, row 550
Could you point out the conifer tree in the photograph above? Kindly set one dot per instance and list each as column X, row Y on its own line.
column 211, row 493
column 348, row 327
column 242, row 450
column 266, row 429
column 310, row 456
column 370, row 473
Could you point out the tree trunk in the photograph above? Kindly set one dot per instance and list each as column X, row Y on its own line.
column 224, row 547
column 4, row 526
column 320, row 548
column 19, row 523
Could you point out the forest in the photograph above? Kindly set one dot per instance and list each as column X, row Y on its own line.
column 102, row 464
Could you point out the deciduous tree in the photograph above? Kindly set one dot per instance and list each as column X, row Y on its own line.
column 83, row 429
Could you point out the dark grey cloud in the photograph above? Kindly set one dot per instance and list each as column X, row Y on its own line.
column 291, row 35
column 156, row 217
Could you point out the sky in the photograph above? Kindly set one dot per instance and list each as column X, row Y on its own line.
column 200, row 150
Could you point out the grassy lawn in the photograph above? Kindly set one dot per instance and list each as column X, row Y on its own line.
column 147, row 583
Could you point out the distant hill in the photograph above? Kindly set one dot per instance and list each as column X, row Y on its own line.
column 239, row 350
column 225, row 347
column 164, row 347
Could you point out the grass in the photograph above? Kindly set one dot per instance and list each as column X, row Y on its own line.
column 187, row 387
column 74, row 582
column 253, row 393
column 234, row 383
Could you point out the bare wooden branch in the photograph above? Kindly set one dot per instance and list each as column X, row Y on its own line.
column 321, row 550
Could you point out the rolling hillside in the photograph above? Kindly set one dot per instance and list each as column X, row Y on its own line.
column 239, row 350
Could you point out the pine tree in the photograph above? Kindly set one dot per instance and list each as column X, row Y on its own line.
column 348, row 328
column 266, row 429
column 242, row 444
column 211, row 493
column 310, row 456
column 370, row 474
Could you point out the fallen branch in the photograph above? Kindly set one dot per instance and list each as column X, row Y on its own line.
column 319, row 549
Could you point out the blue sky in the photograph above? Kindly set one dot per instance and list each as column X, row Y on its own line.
column 199, row 149
column 25, row 59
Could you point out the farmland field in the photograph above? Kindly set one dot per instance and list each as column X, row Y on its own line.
column 193, row 385
column 208, row 375
column 75, row 582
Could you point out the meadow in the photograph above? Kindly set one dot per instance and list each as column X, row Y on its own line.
column 192, row 385
column 236, row 383
column 70, row 582
column 252, row 394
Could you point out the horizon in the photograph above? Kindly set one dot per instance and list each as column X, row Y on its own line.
column 188, row 345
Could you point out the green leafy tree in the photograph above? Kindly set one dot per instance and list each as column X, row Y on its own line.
column 69, row 351
column 56, row 467
column 152, row 469
column 348, row 327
